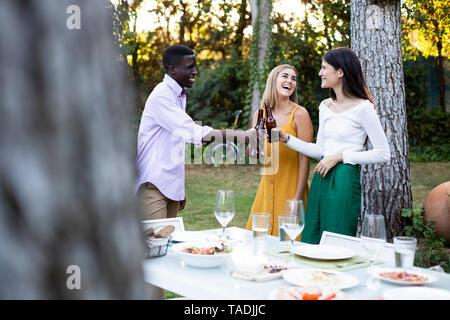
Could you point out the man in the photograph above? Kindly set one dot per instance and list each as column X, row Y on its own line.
column 164, row 129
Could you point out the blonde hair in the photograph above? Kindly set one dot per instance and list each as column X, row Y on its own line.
column 270, row 92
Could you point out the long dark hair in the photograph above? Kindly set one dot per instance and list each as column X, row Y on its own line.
column 353, row 82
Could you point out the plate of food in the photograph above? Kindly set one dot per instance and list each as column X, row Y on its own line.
column 304, row 293
column 320, row 278
column 203, row 254
column 324, row 252
column 416, row 293
column 403, row 277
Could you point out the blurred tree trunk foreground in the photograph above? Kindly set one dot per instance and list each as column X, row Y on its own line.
column 376, row 39
column 69, row 224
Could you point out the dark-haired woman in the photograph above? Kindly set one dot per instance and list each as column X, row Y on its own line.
column 345, row 121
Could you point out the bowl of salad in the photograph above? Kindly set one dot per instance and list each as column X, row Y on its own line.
column 205, row 254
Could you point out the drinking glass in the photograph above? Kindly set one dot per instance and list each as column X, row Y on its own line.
column 293, row 224
column 291, row 207
column 405, row 250
column 260, row 225
column 373, row 239
column 224, row 209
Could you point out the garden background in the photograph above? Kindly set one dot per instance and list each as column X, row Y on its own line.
column 71, row 103
column 222, row 35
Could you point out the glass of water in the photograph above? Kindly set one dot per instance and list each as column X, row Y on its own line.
column 260, row 225
column 224, row 209
column 405, row 250
column 373, row 239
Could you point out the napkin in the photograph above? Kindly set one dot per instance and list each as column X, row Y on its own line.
column 262, row 275
column 248, row 264
column 354, row 262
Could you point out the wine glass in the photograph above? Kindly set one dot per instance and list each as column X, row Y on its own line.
column 373, row 239
column 292, row 222
column 224, row 209
column 291, row 207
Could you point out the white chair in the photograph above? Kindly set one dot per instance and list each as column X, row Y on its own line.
column 176, row 222
column 340, row 240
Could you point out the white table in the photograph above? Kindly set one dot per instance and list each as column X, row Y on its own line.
column 170, row 273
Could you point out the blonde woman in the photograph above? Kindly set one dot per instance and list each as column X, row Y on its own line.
column 346, row 120
column 290, row 179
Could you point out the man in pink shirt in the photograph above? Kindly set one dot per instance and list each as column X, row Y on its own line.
column 164, row 129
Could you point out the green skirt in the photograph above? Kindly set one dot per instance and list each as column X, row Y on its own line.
column 334, row 203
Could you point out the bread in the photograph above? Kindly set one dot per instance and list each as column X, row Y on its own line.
column 149, row 232
column 164, row 231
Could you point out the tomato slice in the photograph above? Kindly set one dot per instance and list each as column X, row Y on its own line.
column 294, row 296
column 311, row 296
column 330, row 297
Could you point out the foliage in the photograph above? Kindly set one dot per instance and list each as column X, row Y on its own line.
column 439, row 153
column 431, row 250
column 218, row 92
column 220, row 34
column 427, row 24
column 428, row 132
column 428, row 128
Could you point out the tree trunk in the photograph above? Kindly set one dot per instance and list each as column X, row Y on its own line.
column 242, row 24
column 261, row 23
column 69, row 224
column 441, row 75
column 376, row 39
column 183, row 21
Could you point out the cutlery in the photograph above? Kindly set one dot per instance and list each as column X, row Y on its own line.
column 342, row 265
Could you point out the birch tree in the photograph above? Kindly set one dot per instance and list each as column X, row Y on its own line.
column 376, row 39
column 69, row 224
column 262, row 37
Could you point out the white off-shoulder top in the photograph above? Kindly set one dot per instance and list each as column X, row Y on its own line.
column 346, row 132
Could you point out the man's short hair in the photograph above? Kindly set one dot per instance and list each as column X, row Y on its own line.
column 174, row 54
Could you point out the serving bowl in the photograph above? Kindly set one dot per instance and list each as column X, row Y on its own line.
column 202, row 260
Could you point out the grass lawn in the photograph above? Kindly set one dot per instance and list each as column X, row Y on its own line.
column 202, row 183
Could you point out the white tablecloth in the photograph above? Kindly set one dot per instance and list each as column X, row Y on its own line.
column 170, row 273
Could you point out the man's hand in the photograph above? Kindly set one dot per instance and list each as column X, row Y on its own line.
column 277, row 134
column 326, row 164
column 182, row 204
column 254, row 139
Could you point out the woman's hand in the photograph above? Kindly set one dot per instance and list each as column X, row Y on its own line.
column 326, row 164
column 277, row 134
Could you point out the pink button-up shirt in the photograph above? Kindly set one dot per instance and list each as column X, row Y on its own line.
column 164, row 129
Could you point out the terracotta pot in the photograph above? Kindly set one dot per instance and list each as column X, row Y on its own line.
column 437, row 207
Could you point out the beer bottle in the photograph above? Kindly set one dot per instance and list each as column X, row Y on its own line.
column 270, row 120
column 259, row 127
column 260, row 121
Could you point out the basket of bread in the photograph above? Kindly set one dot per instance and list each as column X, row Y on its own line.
column 157, row 240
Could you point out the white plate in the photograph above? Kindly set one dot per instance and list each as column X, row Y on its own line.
column 320, row 278
column 416, row 293
column 200, row 260
column 428, row 278
column 324, row 252
column 184, row 236
column 297, row 293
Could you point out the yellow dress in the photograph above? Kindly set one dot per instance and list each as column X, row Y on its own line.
column 279, row 181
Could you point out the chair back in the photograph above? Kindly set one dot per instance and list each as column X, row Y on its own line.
column 340, row 240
